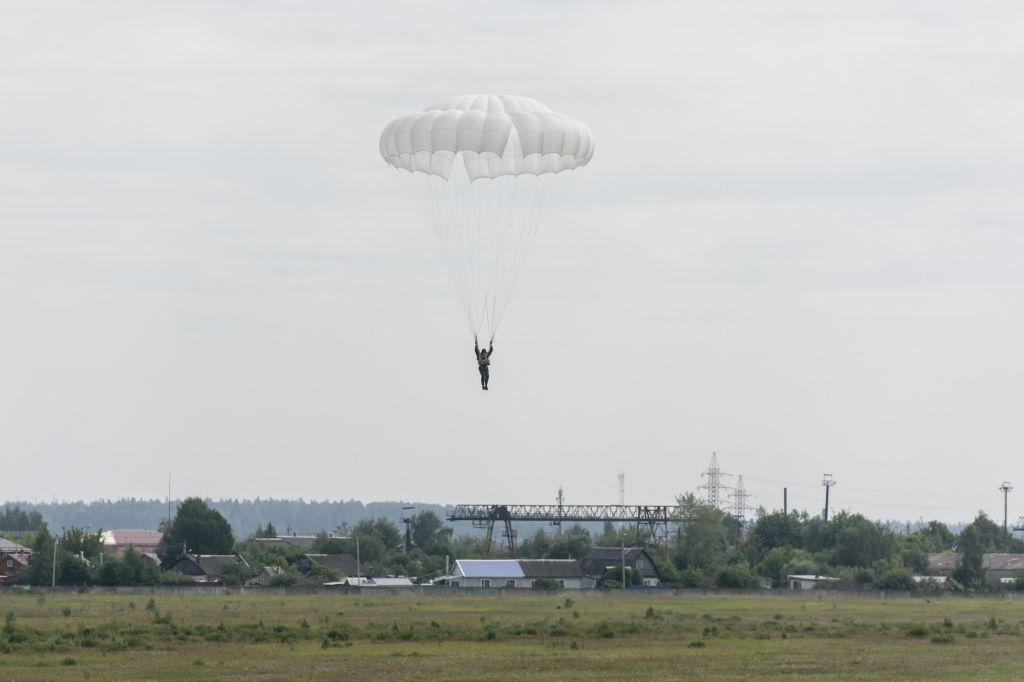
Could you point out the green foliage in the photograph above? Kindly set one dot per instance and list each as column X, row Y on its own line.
column 935, row 537
column 15, row 518
column 693, row 577
column 198, row 527
column 40, row 567
column 286, row 578
column 860, row 542
column 235, row 574
column 429, row 533
column 774, row 531
column 130, row 569
column 897, row 579
column 77, row 541
column 970, row 572
column 738, row 576
column 318, row 573
column 774, row 562
column 703, row 536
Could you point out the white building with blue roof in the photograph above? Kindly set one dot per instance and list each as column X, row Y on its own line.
column 516, row 573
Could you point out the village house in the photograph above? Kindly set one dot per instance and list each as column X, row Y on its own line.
column 208, row 568
column 14, row 559
column 516, row 573
column 143, row 541
column 602, row 559
column 343, row 564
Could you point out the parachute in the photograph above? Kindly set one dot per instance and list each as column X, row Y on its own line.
column 486, row 170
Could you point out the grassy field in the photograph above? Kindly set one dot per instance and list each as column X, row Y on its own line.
column 66, row 636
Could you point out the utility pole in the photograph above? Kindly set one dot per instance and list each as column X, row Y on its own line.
column 622, row 488
column 407, row 519
column 1006, row 488
column 53, row 575
column 623, row 563
column 828, row 482
column 558, row 524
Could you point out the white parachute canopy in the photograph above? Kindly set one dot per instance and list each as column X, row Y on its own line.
column 486, row 169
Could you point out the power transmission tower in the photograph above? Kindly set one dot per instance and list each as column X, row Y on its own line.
column 828, row 482
column 622, row 488
column 739, row 499
column 1006, row 488
column 713, row 484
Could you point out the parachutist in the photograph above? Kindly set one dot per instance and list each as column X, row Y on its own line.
column 483, row 361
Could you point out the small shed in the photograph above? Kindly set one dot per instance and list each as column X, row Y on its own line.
column 809, row 582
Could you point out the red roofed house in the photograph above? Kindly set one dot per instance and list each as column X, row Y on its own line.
column 13, row 560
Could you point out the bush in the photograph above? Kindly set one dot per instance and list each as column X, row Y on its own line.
column 737, row 576
column 897, row 579
column 693, row 577
column 286, row 578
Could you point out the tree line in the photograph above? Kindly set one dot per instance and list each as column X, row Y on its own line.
column 709, row 548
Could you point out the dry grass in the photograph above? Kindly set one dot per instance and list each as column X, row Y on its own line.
column 507, row 636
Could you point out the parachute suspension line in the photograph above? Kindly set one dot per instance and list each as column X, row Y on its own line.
column 486, row 229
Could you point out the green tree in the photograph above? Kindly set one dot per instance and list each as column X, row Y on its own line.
column 773, row 564
column 16, row 518
column 79, row 542
column 970, row 572
column 200, row 528
column 73, row 570
column 775, row 530
column 897, row 579
column 860, row 542
column 40, row 567
column 535, row 547
column 936, row 537
column 129, row 569
column 737, row 576
column 382, row 530
column 429, row 533
column 574, row 543
column 703, row 536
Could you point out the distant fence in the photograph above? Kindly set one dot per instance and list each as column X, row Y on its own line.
column 469, row 592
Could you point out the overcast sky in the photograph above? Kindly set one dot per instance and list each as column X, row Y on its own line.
column 799, row 244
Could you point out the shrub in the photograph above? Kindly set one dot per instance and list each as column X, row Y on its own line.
column 693, row 577
column 737, row 576
column 897, row 579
